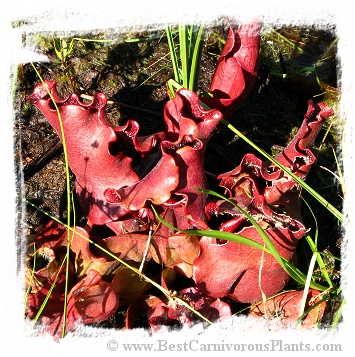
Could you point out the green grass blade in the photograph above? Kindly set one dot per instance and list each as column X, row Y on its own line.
column 320, row 261
column 195, row 64
column 149, row 78
column 68, row 188
column 300, row 277
column 331, row 256
column 184, row 55
column 315, row 222
column 305, row 313
column 28, row 290
column 307, row 284
column 173, row 54
column 39, row 313
column 280, row 38
column 190, row 42
column 337, row 316
column 314, row 248
column 340, row 173
column 14, row 83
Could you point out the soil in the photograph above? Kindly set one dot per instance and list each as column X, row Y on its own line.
column 132, row 70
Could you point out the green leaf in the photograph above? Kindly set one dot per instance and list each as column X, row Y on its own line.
column 57, row 48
